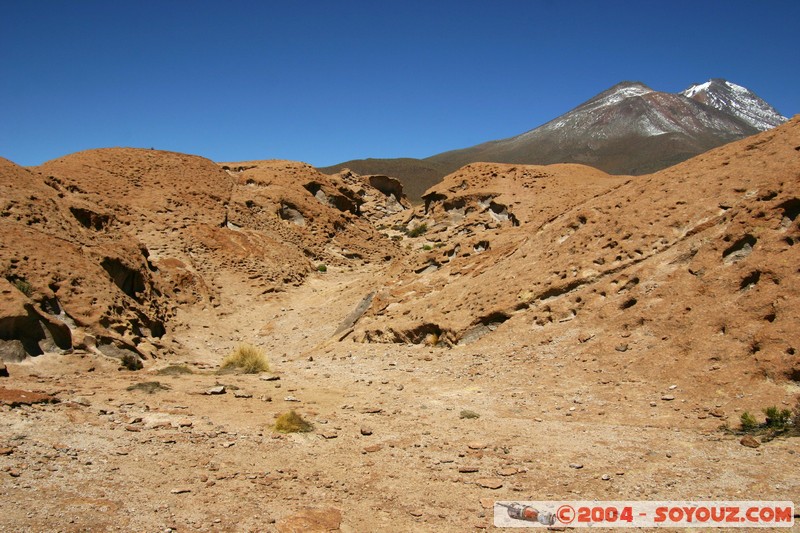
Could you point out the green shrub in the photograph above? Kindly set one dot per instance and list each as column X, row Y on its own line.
column 427, row 247
column 291, row 422
column 322, row 268
column 23, row 286
column 418, row 230
column 247, row 359
column 777, row 419
column 749, row 422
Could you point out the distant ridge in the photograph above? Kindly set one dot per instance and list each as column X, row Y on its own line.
column 627, row 129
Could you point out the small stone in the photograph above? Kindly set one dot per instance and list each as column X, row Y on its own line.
column 366, row 431
column 240, row 394
column 329, row 434
column 203, row 478
column 416, row 513
column 492, row 483
column 181, row 490
column 400, row 387
column 373, row 448
column 718, row 413
column 476, row 445
column 668, row 397
column 269, row 378
column 673, row 387
column 507, row 471
column 132, row 428
column 219, row 389
column 290, row 399
column 605, row 477
column 14, row 472
column 467, row 469
column 585, row 337
column 750, row 441
column 6, row 451
column 621, row 348
column 372, row 410
column 487, row 503
column 576, row 466
column 185, row 424
column 653, row 404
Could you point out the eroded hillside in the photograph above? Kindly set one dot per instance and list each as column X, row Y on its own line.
column 104, row 246
column 564, row 249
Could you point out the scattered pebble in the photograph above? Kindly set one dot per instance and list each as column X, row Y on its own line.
column 219, row 389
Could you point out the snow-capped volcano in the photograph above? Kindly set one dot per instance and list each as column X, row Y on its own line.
column 737, row 101
column 626, row 129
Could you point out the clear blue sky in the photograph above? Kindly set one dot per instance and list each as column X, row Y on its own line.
column 327, row 81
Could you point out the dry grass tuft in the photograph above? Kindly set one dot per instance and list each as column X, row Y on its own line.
column 247, row 359
column 291, row 422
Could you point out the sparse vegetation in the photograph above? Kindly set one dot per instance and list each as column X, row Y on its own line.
column 174, row 370
column 149, row 387
column 322, row 268
column 432, row 339
column 777, row 419
column 427, row 247
column 467, row 414
column 247, row 359
column 748, row 421
column 418, row 230
column 22, row 286
column 778, row 422
column 131, row 362
column 291, row 422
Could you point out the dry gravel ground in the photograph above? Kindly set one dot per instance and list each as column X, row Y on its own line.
column 389, row 450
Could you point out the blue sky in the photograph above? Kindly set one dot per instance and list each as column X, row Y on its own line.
column 324, row 81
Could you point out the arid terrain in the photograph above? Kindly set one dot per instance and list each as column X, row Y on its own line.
column 529, row 333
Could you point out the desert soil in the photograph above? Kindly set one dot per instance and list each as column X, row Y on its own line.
column 389, row 450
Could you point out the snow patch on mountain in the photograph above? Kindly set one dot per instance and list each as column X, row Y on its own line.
column 737, row 101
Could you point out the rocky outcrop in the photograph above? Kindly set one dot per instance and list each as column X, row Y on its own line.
column 101, row 248
column 563, row 248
